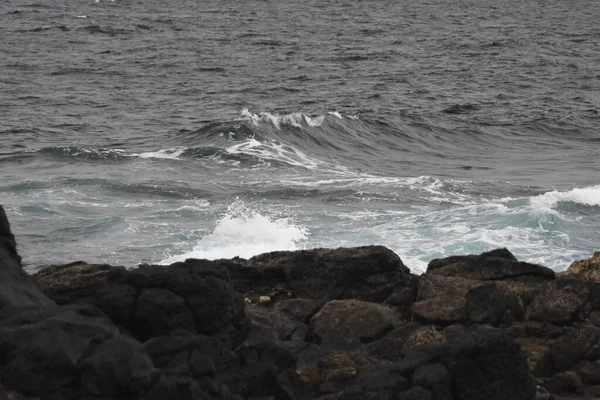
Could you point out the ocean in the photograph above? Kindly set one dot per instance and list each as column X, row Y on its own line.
column 146, row 131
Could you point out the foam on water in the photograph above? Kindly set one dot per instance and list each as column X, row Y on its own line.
column 295, row 119
column 547, row 202
column 279, row 152
column 172, row 154
column 243, row 232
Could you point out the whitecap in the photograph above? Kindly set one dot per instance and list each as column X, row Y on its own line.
column 547, row 202
column 172, row 153
column 243, row 232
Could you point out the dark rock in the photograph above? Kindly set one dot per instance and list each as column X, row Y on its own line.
column 382, row 378
column 442, row 299
column 41, row 349
column 567, row 382
column 337, row 371
column 572, row 346
column 493, row 304
column 376, row 332
column 487, row 364
column 559, row 301
column 525, row 291
column 369, row 273
column 340, row 323
column 500, row 253
column 391, row 347
column 268, row 352
column 301, row 309
column 155, row 300
column 404, row 295
column 415, row 393
column 271, row 325
column 486, row 267
column 434, row 377
column 539, row 356
column 17, row 288
column 585, row 269
column 419, row 337
column 590, row 372
column 422, row 355
column 117, row 367
column 160, row 312
column 170, row 352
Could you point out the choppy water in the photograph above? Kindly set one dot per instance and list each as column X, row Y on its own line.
column 149, row 131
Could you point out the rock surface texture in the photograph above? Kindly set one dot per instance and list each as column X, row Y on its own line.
column 311, row 324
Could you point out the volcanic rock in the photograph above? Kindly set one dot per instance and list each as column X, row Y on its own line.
column 16, row 287
column 152, row 301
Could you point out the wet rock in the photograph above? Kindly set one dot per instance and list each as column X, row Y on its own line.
column 172, row 354
column 493, row 304
column 442, row 299
column 154, row 300
column 416, row 393
column 573, row 345
column 369, row 273
column 382, row 378
column 425, row 335
column 567, row 382
column 559, row 301
column 117, row 367
column 376, row 332
column 539, row 356
column 337, row 371
column 42, row 348
column 301, row 309
column 590, row 372
column 585, row 269
column 272, row 325
column 340, row 323
column 435, row 378
column 492, row 265
column 391, row 347
column 17, row 288
column 160, row 312
column 487, row 364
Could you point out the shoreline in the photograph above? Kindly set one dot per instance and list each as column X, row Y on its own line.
column 346, row 323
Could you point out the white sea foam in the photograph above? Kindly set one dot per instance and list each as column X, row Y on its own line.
column 244, row 232
column 275, row 152
column 295, row 119
column 546, row 202
column 172, row 153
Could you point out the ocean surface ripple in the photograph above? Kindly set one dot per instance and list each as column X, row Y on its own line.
column 148, row 131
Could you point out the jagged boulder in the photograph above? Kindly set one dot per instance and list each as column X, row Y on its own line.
column 369, row 273
column 17, row 288
column 340, row 323
column 443, row 299
column 494, row 265
column 477, row 364
column 564, row 300
column 585, row 269
column 151, row 301
column 487, row 364
column 41, row 349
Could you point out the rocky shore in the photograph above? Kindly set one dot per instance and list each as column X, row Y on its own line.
column 348, row 323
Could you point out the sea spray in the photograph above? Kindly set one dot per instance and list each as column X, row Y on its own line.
column 243, row 232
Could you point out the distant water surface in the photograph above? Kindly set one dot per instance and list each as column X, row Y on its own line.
column 149, row 131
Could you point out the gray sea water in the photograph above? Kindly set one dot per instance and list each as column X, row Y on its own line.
column 151, row 131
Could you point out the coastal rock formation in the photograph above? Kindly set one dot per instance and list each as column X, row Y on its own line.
column 323, row 323
column 16, row 287
column 154, row 300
